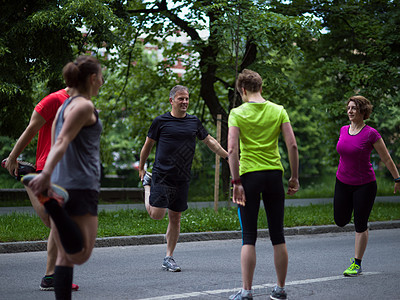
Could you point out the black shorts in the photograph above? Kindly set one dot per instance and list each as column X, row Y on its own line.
column 169, row 194
column 82, row 202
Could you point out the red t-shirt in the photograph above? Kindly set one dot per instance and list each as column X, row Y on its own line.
column 47, row 108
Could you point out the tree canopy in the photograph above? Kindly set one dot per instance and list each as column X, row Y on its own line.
column 312, row 55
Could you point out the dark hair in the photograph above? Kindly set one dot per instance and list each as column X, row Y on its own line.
column 176, row 89
column 249, row 80
column 76, row 73
column 362, row 104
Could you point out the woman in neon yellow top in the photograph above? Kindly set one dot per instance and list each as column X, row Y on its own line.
column 257, row 124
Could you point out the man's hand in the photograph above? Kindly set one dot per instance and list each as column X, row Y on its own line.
column 141, row 174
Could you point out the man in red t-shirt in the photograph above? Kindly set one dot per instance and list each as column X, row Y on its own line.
column 41, row 121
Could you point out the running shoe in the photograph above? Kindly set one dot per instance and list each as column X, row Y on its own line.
column 241, row 296
column 55, row 192
column 47, row 284
column 146, row 179
column 278, row 293
column 353, row 270
column 24, row 168
column 169, row 264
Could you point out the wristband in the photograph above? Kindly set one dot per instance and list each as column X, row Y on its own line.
column 236, row 181
column 397, row 179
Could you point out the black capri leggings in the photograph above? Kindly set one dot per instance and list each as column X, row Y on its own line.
column 269, row 184
column 359, row 198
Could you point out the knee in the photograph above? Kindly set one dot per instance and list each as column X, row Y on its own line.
column 80, row 258
column 249, row 238
column 156, row 215
column 174, row 217
column 80, row 261
column 277, row 238
column 340, row 221
column 361, row 228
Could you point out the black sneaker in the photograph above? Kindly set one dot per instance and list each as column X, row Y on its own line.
column 278, row 293
column 146, row 179
column 169, row 264
column 24, row 168
column 47, row 284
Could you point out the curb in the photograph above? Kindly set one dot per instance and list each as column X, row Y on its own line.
column 17, row 247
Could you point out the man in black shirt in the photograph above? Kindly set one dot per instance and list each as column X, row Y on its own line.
column 175, row 133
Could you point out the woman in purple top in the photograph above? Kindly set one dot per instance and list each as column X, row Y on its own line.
column 355, row 188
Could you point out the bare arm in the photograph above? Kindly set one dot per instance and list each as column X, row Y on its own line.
column 293, row 154
column 215, row 146
column 233, row 150
column 78, row 116
column 53, row 126
column 36, row 122
column 383, row 152
column 144, row 154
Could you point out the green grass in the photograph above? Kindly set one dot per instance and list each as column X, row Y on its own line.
column 26, row 227
column 324, row 187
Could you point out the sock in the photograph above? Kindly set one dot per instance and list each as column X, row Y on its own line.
column 69, row 232
column 246, row 292
column 147, row 195
column 279, row 289
column 63, row 282
column 357, row 261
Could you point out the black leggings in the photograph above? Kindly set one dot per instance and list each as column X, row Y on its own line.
column 359, row 198
column 269, row 184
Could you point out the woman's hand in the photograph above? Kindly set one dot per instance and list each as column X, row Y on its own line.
column 40, row 184
column 238, row 195
column 12, row 167
column 293, row 186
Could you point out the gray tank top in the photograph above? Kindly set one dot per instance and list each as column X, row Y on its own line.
column 79, row 168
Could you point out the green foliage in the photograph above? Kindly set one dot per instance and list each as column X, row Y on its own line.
column 356, row 53
column 127, row 112
column 311, row 54
column 37, row 39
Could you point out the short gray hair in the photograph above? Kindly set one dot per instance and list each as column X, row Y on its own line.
column 177, row 88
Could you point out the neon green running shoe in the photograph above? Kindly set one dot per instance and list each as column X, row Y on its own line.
column 353, row 270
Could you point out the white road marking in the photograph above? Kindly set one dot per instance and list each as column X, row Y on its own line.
column 255, row 287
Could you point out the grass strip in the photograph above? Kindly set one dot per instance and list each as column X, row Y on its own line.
column 26, row 227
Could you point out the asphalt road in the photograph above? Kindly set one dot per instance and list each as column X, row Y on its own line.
column 211, row 270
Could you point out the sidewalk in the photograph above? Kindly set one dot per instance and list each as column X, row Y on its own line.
column 199, row 205
column 201, row 236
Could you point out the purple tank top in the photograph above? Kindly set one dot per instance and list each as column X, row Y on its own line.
column 355, row 166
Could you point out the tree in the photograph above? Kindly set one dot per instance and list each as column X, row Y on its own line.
column 37, row 38
column 359, row 53
column 242, row 34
